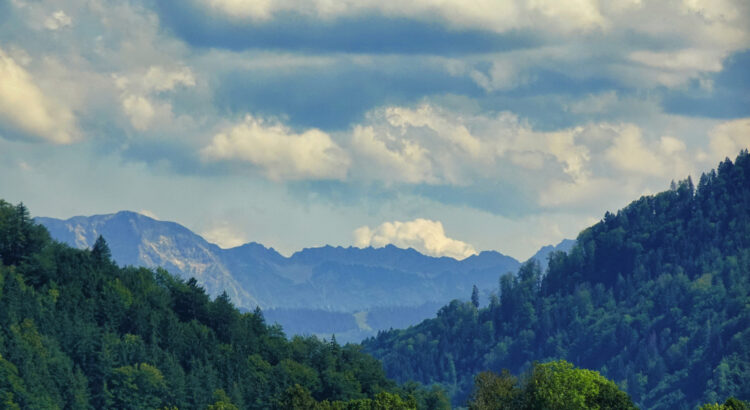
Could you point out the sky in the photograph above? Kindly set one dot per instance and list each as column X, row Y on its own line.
column 448, row 126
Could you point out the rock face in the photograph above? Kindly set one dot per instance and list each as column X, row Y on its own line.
column 138, row 240
column 389, row 282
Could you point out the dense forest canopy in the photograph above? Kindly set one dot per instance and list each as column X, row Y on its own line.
column 77, row 331
column 655, row 297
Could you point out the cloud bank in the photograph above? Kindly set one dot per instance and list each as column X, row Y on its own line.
column 424, row 235
column 25, row 108
column 279, row 152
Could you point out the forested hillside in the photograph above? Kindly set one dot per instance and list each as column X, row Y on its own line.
column 655, row 297
column 77, row 331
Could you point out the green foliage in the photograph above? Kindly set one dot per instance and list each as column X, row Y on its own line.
column 554, row 385
column 136, row 387
column 731, row 404
column 77, row 331
column 654, row 297
column 493, row 391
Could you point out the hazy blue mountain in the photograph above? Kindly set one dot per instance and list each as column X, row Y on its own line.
column 542, row 255
column 375, row 288
column 138, row 240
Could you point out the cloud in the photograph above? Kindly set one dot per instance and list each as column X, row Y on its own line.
column 630, row 153
column 140, row 94
column 433, row 145
column 674, row 68
column 403, row 160
column 139, row 110
column 57, row 21
column 26, row 108
column 594, row 103
column 278, row 151
column 424, row 235
column 148, row 213
column 728, row 138
column 156, row 79
column 224, row 235
column 571, row 15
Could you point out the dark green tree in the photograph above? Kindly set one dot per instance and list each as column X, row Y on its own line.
column 475, row 296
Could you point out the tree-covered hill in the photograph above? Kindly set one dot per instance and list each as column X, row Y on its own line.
column 78, row 332
column 655, row 297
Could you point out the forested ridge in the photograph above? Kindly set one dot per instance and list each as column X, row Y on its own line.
column 78, row 332
column 655, row 297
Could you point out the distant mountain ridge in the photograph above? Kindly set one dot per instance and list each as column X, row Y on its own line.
column 335, row 279
column 542, row 255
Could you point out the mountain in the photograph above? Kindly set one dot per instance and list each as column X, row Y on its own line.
column 79, row 332
column 543, row 254
column 138, row 240
column 655, row 297
column 377, row 288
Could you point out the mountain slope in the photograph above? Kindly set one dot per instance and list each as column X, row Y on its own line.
column 654, row 296
column 138, row 240
column 385, row 284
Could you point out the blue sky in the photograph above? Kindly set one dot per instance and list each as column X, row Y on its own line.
column 448, row 127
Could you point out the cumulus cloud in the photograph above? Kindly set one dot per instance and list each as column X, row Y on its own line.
column 674, row 68
column 139, row 110
column 569, row 167
column 424, row 235
column 728, row 138
column 433, row 145
column 139, row 94
column 630, row 153
column 570, row 15
column 156, row 79
column 596, row 34
column 224, row 235
column 281, row 153
column 57, row 21
column 26, row 107
column 389, row 159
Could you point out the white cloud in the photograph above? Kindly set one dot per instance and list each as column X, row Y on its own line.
column 224, row 235
column 278, row 151
column 28, row 109
column 430, row 144
column 139, row 110
column 594, row 103
column 728, row 138
column 424, row 235
column 630, row 153
column 674, row 68
column 139, row 97
column 581, row 34
column 387, row 158
column 148, row 213
column 505, row 74
column 156, row 79
column 57, row 21
column 572, row 194
column 570, row 15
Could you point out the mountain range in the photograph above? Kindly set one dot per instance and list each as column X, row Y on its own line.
column 352, row 292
